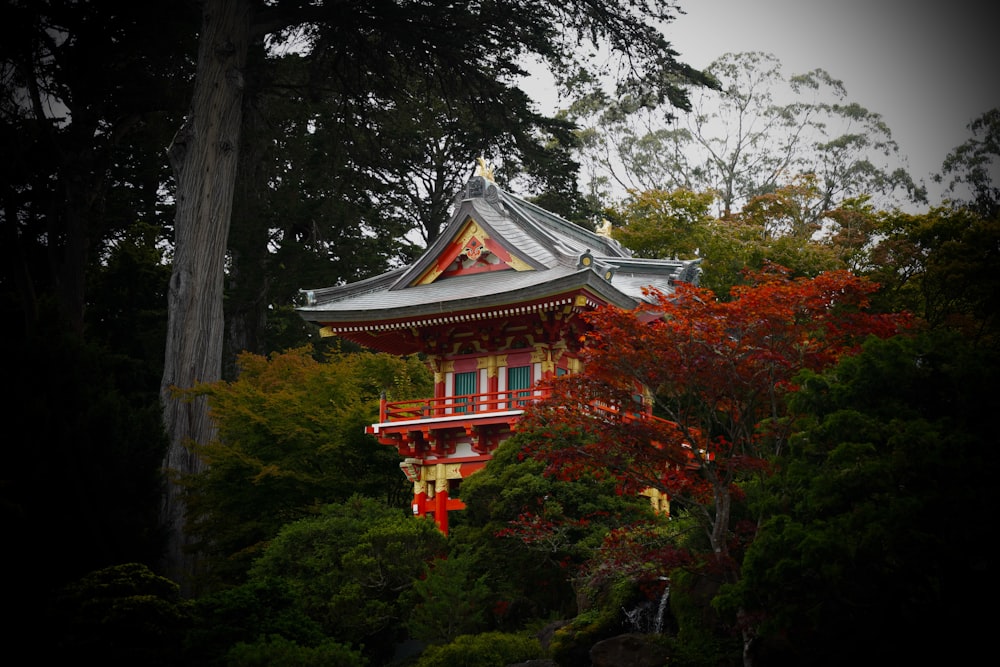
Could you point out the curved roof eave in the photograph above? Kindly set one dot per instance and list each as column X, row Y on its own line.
column 578, row 280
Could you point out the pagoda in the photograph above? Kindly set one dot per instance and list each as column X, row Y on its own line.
column 493, row 306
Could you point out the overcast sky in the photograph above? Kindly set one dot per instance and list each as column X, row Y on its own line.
column 928, row 68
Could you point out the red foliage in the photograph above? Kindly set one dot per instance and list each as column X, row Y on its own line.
column 640, row 553
column 715, row 373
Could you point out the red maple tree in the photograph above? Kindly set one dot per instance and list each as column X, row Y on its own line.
column 687, row 395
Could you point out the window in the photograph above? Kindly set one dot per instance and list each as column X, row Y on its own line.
column 519, row 385
column 465, row 386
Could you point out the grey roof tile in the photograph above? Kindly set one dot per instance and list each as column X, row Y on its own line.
column 550, row 245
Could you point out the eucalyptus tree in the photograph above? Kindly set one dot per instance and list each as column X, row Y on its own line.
column 975, row 165
column 362, row 52
column 754, row 131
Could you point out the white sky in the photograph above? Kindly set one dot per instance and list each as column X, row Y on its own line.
column 927, row 67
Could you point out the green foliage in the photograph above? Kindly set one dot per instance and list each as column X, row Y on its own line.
column 529, row 533
column 877, row 509
column 291, row 437
column 663, row 224
column 778, row 227
column 940, row 265
column 276, row 651
column 489, row 649
column 703, row 636
column 571, row 643
column 450, row 601
column 128, row 299
column 351, row 568
column 120, row 615
column 242, row 614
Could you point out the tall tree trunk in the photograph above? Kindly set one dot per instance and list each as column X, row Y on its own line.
column 247, row 279
column 204, row 156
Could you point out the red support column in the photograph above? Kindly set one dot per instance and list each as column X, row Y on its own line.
column 441, row 508
column 420, row 503
column 492, row 385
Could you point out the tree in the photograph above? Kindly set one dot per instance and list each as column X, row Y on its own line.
column 488, row 649
column 747, row 135
column 257, row 611
column 351, row 569
column 873, row 515
column 937, row 265
column 276, row 651
column 119, row 615
column 291, row 436
column 76, row 121
column 204, row 157
column 450, row 601
column 784, row 227
column 531, row 535
column 717, row 375
column 90, row 93
column 787, row 226
column 974, row 164
column 364, row 49
column 658, row 224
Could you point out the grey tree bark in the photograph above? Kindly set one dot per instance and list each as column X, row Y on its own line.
column 204, row 156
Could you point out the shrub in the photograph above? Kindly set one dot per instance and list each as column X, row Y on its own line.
column 490, row 649
column 276, row 651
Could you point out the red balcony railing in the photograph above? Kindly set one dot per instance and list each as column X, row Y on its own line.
column 473, row 404
column 481, row 405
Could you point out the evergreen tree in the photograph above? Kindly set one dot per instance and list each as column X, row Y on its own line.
column 872, row 543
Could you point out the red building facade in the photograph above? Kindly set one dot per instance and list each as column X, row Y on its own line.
column 492, row 306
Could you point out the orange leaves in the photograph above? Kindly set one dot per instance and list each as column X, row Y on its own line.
column 703, row 366
column 687, row 394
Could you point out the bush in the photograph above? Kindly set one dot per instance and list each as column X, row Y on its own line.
column 490, row 649
column 241, row 615
column 450, row 601
column 276, row 651
column 120, row 615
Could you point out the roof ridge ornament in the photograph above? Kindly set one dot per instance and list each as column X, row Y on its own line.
column 484, row 170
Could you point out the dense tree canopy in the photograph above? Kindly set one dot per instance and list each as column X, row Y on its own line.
column 83, row 130
column 716, row 376
column 874, row 511
column 529, row 534
column 976, row 166
column 351, row 568
column 291, row 437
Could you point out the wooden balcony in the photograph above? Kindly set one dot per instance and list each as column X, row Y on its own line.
column 434, row 425
column 471, row 406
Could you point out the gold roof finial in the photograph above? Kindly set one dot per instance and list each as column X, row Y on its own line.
column 605, row 228
column 484, row 170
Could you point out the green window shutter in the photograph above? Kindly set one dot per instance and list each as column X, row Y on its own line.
column 518, row 382
column 465, row 385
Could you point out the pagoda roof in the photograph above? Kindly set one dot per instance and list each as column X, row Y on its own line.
column 497, row 250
